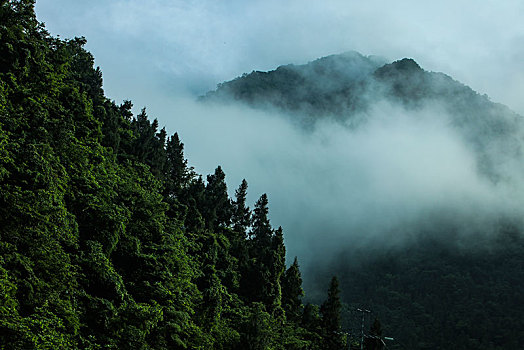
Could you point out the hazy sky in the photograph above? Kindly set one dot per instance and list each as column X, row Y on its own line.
column 330, row 183
column 165, row 46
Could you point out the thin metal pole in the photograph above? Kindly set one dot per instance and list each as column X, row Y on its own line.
column 362, row 327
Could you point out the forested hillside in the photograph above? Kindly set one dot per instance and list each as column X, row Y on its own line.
column 110, row 240
column 443, row 275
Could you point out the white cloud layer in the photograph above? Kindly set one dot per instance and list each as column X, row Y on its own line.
column 394, row 175
column 398, row 169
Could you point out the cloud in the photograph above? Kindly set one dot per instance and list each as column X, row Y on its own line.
column 176, row 45
column 397, row 175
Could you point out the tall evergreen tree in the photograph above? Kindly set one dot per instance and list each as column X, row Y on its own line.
column 178, row 173
column 292, row 292
column 217, row 209
column 261, row 231
column 330, row 311
column 241, row 216
column 277, row 268
column 194, row 199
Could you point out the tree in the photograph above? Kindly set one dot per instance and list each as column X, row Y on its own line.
column 330, row 311
column 277, row 267
column 261, row 279
column 240, row 221
column 178, row 173
column 241, row 216
column 292, row 292
column 217, row 209
column 312, row 323
column 261, row 231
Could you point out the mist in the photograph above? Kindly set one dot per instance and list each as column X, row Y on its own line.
column 404, row 183
column 167, row 47
column 400, row 175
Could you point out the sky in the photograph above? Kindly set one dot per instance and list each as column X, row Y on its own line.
column 327, row 186
column 171, row 46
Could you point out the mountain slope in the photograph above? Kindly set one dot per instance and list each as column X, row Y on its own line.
column 348, row 87
column 108, row 239
column 452, row 277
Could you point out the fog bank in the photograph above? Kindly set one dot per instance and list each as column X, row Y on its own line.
column 400, row 174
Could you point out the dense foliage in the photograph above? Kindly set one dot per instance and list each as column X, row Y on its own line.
column 433, row 295
column 108, row 239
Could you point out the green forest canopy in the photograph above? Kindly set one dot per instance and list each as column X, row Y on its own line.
column 108, row 238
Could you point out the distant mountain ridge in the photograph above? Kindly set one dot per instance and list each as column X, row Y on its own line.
column 345, row 83
column 346, row 87
column 323, row 86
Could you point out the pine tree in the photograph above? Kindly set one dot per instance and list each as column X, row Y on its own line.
column 217, row 209
column 257, row 281
column 178, row 173
column 277, row 267
column 240, row 221
column 292, row 292
column 241, row 216
column 330, row 311
column 194, row 199
column 261, row 231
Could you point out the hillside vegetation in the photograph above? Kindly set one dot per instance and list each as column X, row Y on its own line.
column 108, row 239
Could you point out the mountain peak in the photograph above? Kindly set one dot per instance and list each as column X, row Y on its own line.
column 405, row 66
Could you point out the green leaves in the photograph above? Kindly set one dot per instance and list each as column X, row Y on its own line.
column 108, row 239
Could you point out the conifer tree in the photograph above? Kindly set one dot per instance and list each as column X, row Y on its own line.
column 292, row 292
column 241, row 216
column 145, row 133
column 178, row 173
column 193, row 198
column 240, row 221
column 277, row 267
column 330, row 311
column 261, row 231
column 217, row 209
column 256, row 281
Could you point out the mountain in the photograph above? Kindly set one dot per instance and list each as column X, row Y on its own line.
column 109, row 239
column 457, row 281
column 346, row 87
column 346, row 84
column 325, row 86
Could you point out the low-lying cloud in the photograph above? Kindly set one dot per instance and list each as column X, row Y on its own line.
column 398, row 175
